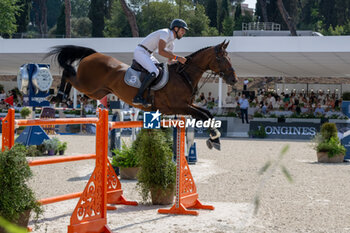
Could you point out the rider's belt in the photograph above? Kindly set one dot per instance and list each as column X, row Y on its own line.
column 145, row 48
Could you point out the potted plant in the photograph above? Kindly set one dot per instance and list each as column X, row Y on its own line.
column 51, row 145
column 25, row 112
column 17, row 199
column 157, row 175
column 328, row 146
column 62, row 147
column 127, row 161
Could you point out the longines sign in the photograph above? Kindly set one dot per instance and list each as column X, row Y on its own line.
column 294, row 130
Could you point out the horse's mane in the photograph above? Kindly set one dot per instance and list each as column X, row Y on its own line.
column 189, row 56
column 198, row 51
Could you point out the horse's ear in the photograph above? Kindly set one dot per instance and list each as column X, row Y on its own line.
column 225, row 45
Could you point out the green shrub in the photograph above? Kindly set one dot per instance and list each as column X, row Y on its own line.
column 327, row 141
column 258, row 115
column 32, row 151
column 51, row 144
column 329, row 130
column 333, row 147
column 16, row 196
column 154, row 152
column 25, row 112
column 259, row 133
column 125, row 157
column 210, row 105
column 62, row 146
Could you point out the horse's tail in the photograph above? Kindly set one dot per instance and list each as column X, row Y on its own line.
column 67, row 54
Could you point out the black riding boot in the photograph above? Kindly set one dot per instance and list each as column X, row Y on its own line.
column 139, row 100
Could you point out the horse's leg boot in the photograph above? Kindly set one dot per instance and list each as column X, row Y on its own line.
column 58, row 98
column 139, row 100
column 209, row 144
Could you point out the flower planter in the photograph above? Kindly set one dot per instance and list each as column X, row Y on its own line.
column 61, row 152
column 310, row 120
column 322, row 157
column 128, row 173
column 51, row 152
column 162, row 197
column 265, row 119
column 339, row 121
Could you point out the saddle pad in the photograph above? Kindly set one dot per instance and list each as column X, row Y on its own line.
column 132, row 78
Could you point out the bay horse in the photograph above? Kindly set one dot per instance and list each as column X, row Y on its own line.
column 98, row 75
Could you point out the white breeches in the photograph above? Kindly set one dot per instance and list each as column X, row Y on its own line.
column 146, row 60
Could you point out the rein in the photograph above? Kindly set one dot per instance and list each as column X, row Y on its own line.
column 181, row 70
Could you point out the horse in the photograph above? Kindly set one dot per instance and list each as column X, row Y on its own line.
column 98, row 75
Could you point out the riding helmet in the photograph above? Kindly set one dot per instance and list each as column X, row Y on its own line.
column 178, row 23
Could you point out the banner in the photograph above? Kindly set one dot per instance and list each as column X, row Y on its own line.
column 292, row 130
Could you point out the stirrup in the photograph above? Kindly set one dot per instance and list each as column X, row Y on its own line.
column 138, row 100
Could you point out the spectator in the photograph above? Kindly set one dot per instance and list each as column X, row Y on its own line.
column 209, row 97
column 264, row 108
column 244, row 104
column 203, row 101
column 245, row 84
column 319, row 110
column 229, row 98
column 2, row 95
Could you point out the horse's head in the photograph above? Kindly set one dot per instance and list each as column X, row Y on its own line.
column 221, row 64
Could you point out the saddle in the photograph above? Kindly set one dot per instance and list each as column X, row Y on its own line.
column 135, row 75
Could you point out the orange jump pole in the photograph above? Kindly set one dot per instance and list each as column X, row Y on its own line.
column 114, row 193
column 61, row 159
column 186, row 191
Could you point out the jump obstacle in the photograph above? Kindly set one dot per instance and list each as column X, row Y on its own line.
column 90, row 214
column 104, row 187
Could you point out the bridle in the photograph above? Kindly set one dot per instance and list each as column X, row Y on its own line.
column 195, row 90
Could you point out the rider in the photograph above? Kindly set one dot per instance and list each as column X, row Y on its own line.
column 163, row 40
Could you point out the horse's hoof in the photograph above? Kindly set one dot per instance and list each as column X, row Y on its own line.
column 215, row 143
column 209, row 144
column 53, row 100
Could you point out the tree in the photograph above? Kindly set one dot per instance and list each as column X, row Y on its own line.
column 81, row 27
column 263, row 8
column 238, row 17
column 328, row 12
column 67, row 18
column 287, row 19
column 156, row 15
column 40, row 11
column 96, row 15
column 80, row 8
column 8, row 12
column 61, row 22
column 131, row 18
column 310, row 16
column 238, row 12
column 212, row 11
column 222, row 14
column 227, row 26
column 197, row 21
column 22, row 18
column 53, row 11
column 117, row 25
